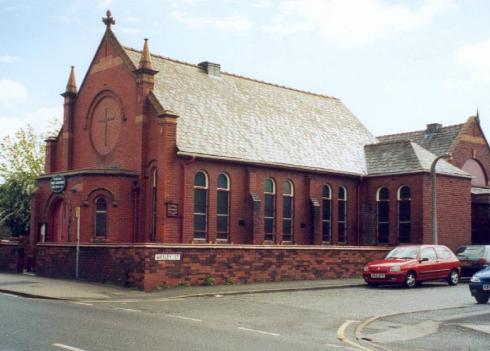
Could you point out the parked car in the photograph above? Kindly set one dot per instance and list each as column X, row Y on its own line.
column 473, row 258
column 412, row 264
column 480, row 285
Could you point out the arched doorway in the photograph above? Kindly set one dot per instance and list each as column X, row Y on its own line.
column 58, row 219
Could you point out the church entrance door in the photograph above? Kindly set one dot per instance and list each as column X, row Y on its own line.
column 58, row 228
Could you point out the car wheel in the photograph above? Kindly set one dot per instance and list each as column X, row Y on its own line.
column 410, row 280
column 453, row 278
column 481, row 299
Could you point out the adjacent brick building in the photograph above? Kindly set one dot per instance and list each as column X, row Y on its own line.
column 175, row 173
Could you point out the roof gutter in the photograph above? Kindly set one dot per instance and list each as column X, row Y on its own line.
column 267, row 164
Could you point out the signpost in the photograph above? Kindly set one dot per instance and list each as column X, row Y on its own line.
column 77, row 257
column 167, row 257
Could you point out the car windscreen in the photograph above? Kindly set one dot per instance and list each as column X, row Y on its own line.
column 471, row 252
column 403, row 252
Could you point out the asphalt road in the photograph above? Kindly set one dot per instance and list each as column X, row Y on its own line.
column 304, row 320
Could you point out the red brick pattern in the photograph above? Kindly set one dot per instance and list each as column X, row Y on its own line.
column 135, row 265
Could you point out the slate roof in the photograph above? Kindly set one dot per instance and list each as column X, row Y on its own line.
column 237, row 118
column 439, row 143
column 397, row 157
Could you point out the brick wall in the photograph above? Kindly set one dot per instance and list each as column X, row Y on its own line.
column 135, row 265
column 9, row 256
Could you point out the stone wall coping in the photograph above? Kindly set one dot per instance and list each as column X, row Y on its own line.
column 92, row 172
column 222, row 246
column 8, row 243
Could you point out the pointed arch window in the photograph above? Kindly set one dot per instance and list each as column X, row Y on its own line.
column 153, row 229
column 383, row 213
column 201, row 186
column 342, row 216
column 404, row 214
column 223, row 207
column 100, row 217
column 269, row 209
column 326, row 213
column 287, row 211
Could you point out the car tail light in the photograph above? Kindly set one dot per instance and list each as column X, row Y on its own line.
column 482, row 262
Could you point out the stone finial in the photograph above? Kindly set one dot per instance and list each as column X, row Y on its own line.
column 145, row 60
column 71, row 86
column 109, row 20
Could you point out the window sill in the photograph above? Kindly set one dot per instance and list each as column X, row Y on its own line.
column 99, row 239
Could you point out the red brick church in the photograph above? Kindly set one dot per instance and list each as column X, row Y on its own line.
column 175, row 173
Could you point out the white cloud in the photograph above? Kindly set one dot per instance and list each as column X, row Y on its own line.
column 11, row 93
column 351, row 23
column 232, row 22
column 41, row 120
column 9, row 59
column 475, row 58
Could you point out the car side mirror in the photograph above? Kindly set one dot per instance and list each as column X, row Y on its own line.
column 423, row 259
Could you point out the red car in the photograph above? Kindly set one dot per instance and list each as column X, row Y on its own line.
column 412, row 264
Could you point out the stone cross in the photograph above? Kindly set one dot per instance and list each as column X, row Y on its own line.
column 106, row 119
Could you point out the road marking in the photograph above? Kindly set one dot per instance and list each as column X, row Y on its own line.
column 341, row 347
column 259, row 331
column 66, row 347
column 83, row 303
column 11, row 295
column 185, row 318
column 342, row 337
column 126, row 309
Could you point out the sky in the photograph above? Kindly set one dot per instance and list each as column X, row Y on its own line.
column 397, row 65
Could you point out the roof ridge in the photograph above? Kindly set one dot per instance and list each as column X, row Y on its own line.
column 418, row 131
column 387, row 142
column 239, row 76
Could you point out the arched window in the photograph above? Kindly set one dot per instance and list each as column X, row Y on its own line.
column 100, row 216
column 269, row 209
column 326, row 213
column 200, row 205
column 153, row 229
column 342, row 218
column 383, row 206
column 223, row 208
column 404, row 214
column 474, row 168
column 287, row 211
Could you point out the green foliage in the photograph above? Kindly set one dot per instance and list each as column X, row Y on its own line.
column 209, row 281
column 21, row 162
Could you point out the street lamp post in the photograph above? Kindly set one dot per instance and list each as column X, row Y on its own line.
column 433, row 174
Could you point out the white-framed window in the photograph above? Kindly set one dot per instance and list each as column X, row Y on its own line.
column 287, row 211
column 201, row 186
column 404, row 214
column 383, row 214
column 223, row 207
column 100, row 216
column 269, row 209
column 342, row 214
column 326, row 213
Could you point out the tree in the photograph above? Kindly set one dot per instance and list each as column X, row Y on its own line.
column 21, row 162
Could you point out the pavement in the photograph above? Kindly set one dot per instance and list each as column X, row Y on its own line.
column 30, row 285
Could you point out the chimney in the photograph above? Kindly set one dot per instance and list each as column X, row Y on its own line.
column 212, row 69
column 433, row 128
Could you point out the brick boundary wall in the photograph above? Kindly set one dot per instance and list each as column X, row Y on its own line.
column 9, row 256
column 135, row 265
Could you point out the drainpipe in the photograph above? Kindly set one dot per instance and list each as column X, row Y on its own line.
column 433, row 174
column 359, row 187
column 182, row 195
